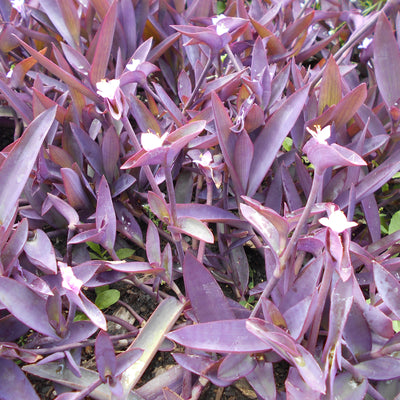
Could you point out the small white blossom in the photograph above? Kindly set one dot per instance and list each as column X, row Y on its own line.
column 132, row 66
column 365, row 43
column 18, row 5
column 108, row 89
column 337, row 221
column 321, row 134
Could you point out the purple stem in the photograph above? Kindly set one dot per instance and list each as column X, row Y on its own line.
column 316, row 184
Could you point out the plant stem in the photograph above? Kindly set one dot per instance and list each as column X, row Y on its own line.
column 137, row 147
column 317, row 182
column 199, row 83
column 202, row 245
column 172, row 201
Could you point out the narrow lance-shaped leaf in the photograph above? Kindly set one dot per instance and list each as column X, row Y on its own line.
column 226, row 336
column 272, row 136
column 331, row 86
column 388, row 287
column 105, row 215
column 13, row 382
column 16, row 168
column 25, row 305
column 206, row 297
column 103, row 48
column 386, row 61
column 60, row 73
column 150, row 339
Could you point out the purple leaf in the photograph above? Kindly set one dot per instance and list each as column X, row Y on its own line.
column 228, row 336
column 379, row 369
column 76, row 195
column 226, row 139
column 262, row 380
column 174, row 112
column 41, row 253
column 386, row 61
column 388, row 287
column 194, row 228
column 103, row 48
column 15, row 170
column 170, row 395
column 14, row 245
column 110, row 153
column 105, row 357
column 357, row 333
column 153, row 251
column 345, row 387
column 67, row 27
column 201, row 365
column 105, row 215
column 205, row 295
column 270, row 139
column 134, row 267
column 243, row 155
column 150, row 339
column 285, row 346
column 159, row 207
column 65, row 210
column 68, row 78
column 297, row 389
column 26, row 305
column 236, row 365
column 13, row 382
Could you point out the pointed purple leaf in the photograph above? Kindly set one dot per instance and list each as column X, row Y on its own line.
column 205, row 295
column 235, row 366
column 345, row 387
column 388, row 287
column 194, row 228
column 379, row 369
column 15, row 244
column 103, row 48
column 13, row 382
column 262, row 380
column 105, row 357
column 25, row 305
column 272, row 136
column 41, row 253
column 228, row 336
column 105, row 215
column 76, row 195
column 15, row 170
column 153, row 251
column 386, row 61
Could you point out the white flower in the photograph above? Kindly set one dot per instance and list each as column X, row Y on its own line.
column 18, row 5
column 69, row 280
column 321, row 134
column 133, row 64
column 337, row 221
column 220, row 26
column 151, row 141
column 365, row 43
column 108, row 89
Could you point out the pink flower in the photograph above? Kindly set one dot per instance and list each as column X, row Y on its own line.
column 321, row 135
column 69, row 280
column 337, row 221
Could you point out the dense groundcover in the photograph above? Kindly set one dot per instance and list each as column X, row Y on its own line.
column 214, row 184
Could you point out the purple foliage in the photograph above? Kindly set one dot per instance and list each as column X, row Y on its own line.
column 246, row 152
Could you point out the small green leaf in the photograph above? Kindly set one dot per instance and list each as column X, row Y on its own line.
column 221, row 5
column 287, row 144
column 385, row 187
column 107, row 298
column 94, row 247
column 80, row 317
column 394, row 223
column 101, row 289
column 396, row 326
column 125, row 253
